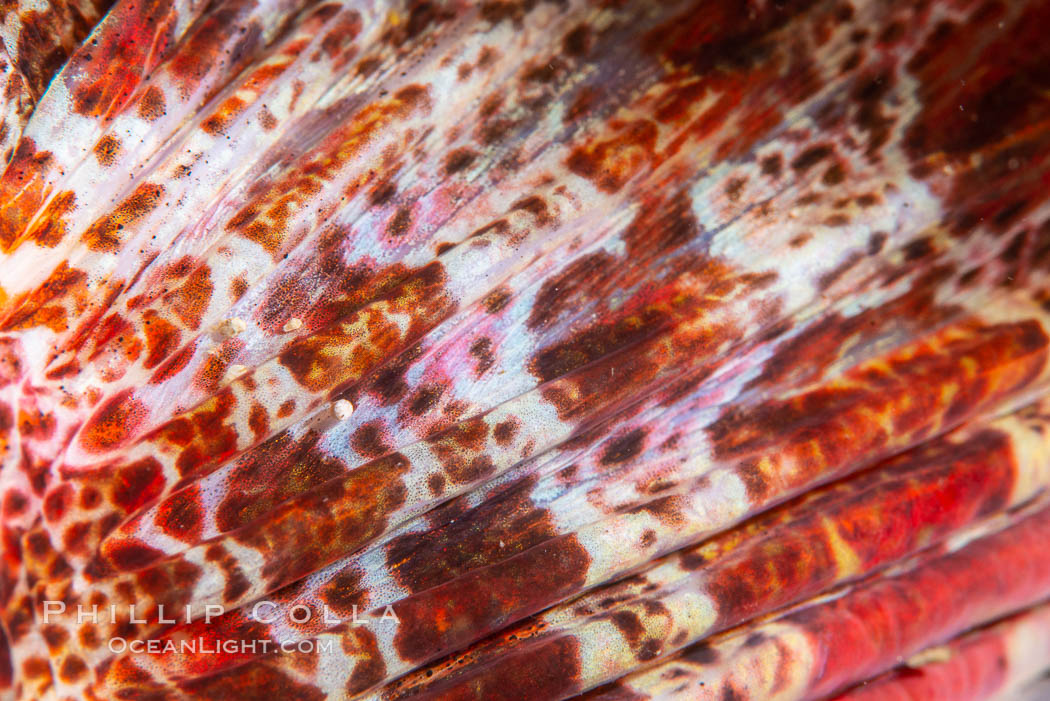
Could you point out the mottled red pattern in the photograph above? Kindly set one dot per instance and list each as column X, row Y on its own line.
column 561, row 348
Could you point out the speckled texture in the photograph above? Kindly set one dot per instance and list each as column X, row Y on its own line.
column 628, row 349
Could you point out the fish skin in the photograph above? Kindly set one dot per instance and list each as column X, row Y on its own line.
column 815, row 650
column 788, row 554
column 36, row 38
column 601, row 292
column 994, row 662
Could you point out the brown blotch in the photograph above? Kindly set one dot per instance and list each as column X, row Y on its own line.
column 463, row 574
column 181, row 515
column 436, row 484
column 383, row 193
column 586, row 99
column 162, row 337
column 458, row 160
column 701, row 653
column 190, row 300
column 55, row 636
column 259, row 422
column 624, row 448
column 662, row 226
column 400, row 223
column 369, row 667
column 367, row 66
column 105, row 234
column 72, row 669
column 832, row 276
column 425, row 399
column 571, row 289
column 505, row 431
column 286, row 408
column 173, row 366
column 389, row 385
column 50, row 227
column 236, row 583
column 611, row 162
column 14, row 503
column 267, row 119
column 138, row 484
column 370, row 440
column 481, row 349
column 772, row 165
column 151, row 104
column 734, row 188
column 34, row 667
column 343, row 592
column 271, row 474
column 810, row 157
column 113, row 424
column 578, row 41
column 129, row 555
column 57, row 502
column 876, row 242
column 496, row 300
column 238, row 286
column 833, row 175
column 106, row 150
column 919, row 248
